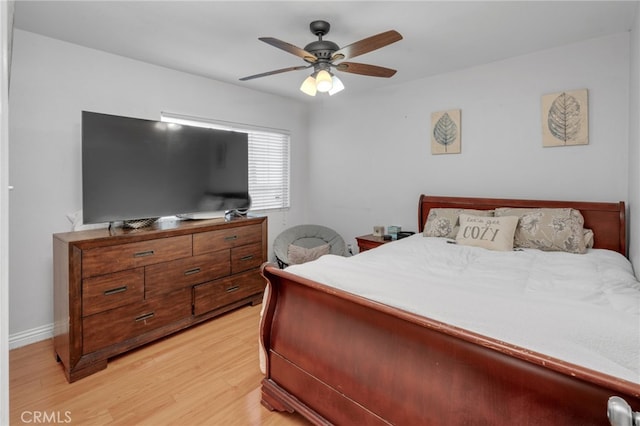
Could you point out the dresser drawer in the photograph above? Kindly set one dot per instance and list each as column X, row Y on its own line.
column 168, row 276
column 204, row 242
column 112, row 290
column 120, row 324
column 103, row 260
column 210, row 296
column 246, row 257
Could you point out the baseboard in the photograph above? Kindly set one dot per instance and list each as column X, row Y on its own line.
column 27, row 337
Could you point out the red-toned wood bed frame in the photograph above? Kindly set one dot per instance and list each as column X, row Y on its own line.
column 337, row 358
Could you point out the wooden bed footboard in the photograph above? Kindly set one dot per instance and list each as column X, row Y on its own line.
column 337, row 358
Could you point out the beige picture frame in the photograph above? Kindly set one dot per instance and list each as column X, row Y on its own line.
column 446, row 132
column 565, row 118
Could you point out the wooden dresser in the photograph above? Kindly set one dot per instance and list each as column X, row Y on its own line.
column 117, row 289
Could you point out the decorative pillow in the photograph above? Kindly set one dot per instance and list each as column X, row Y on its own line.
column 588, row 238
column 297, row 254
column 549, row 229
column 443, row 222
column 493, row 233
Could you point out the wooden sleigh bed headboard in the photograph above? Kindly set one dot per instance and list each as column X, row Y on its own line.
column 606, row 220
column 339, row 358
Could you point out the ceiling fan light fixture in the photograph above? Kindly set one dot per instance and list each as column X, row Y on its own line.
column 337, row 86
column 324, row 82
column 322, row 54
column 309, row 86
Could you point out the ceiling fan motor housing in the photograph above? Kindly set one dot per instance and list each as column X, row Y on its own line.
column 322, row 49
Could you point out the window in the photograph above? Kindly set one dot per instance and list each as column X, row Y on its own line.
column 268, row 159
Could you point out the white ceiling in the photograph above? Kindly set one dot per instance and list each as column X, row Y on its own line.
column 219, row 39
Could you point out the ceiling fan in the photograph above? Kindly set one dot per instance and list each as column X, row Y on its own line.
column 322, row 55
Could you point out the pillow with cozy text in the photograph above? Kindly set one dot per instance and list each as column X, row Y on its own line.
column 493, row 233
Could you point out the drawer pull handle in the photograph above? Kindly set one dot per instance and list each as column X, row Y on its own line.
column 232, row 289
column 145, row 317
column 249, row 257
column 143, row 253
column 115, row 290
column 231, row 238
column 192, row 271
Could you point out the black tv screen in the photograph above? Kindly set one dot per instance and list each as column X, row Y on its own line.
column 137, row 169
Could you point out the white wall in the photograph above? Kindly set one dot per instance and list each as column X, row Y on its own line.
column 370, row 154
column 634, row 145
column 51, row 83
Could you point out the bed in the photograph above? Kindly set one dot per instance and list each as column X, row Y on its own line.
column 337, row 356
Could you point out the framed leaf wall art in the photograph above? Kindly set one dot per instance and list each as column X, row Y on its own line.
column 445, row 132
column 565, row 118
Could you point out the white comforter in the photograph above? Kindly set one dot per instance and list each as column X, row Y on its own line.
column 583, row 309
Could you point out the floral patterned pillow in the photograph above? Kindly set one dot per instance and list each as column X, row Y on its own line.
column 548, row 229
column 588, row 237
column 444, row 222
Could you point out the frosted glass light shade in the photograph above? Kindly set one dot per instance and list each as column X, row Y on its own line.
column 309, row 86
column 337, row 86
column 323, row 81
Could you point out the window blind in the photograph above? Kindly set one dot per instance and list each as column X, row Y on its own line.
column 268, row 159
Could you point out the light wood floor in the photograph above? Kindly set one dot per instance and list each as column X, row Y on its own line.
column 207, row 375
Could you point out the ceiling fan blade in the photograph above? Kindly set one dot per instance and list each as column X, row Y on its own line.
column 287, row 47
column 365, row 69
column 264, row 74
column 367, row 45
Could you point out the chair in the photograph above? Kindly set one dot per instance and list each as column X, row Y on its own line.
column 308, row 237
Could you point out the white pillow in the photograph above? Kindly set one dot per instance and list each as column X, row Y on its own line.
column 493, row 233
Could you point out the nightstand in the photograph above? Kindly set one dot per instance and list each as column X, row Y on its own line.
column 367, row 242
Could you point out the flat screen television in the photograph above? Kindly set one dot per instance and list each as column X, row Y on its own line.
column 135, row 169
